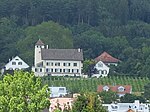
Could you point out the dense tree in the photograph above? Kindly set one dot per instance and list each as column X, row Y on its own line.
column 130, row 98
column 23, row 92
column 108, row 97
column 120, row 27
column 88, row 103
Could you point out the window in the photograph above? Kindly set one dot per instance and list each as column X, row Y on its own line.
column 66, row 64
column 40, row 69
column 75, row 70
column 51, row 70
column 61, row 89
column 47, row 70
column 35, row 69
column 105, row 88
column 49, row 64
column 121, row 89
column 13, row 63
column 19, row 63
column 100, row 65
column 74, row 64
column 57, row 64
column 16, row 59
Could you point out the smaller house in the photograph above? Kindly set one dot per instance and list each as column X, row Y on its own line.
column 57, row 91
column 121, row 90
column 107, row 59
column 102, row 70
column 127, row 107
column 16, row 64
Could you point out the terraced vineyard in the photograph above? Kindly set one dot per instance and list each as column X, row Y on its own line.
column 90, row 84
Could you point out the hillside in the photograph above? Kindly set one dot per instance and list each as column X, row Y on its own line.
column 119, row 27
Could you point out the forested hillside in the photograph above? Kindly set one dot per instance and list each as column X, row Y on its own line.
column 119, row 27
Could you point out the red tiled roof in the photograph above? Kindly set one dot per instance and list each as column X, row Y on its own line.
column 127, row 88
column 106, row 58
column 39, row 42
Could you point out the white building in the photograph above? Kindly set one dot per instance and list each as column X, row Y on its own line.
column 57, row 91
column 102, row 70
column 57, row 62
column 16, row 64
column 124, row 107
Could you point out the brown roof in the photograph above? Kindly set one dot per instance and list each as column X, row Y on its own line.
column 127, row 88
column 62, row 54
column 106, row 58
column 39, row 42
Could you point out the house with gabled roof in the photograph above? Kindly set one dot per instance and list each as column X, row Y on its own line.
column 107, row 59
column 15, row 63
column 57, row 62
column 121, row 90
column 102, row 70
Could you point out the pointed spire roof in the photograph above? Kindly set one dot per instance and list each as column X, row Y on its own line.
column 106, row 58
column 39, row 42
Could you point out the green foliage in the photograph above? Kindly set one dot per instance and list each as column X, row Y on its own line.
column 108, row 97
column 23, row 92
column 88, row 103
column 87, row 65
column 147, row 91
column 119, row 27
column 130, row 98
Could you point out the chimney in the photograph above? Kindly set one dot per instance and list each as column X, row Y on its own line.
column 46, row 46
column 79, row 50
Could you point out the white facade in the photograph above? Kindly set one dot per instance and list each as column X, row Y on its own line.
column 102, row 70
column 124, row 107
column 16, row 64
column 58, row 68
column 57, row 91
column 55, row 67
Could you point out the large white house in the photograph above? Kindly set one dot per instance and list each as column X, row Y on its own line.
column 57, row 62
column 16, row 64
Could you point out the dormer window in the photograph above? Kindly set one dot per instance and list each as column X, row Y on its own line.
column 121, row 89
column 100, row 65
column 105, row 88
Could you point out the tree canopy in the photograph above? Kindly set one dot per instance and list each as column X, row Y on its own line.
column 23, row 92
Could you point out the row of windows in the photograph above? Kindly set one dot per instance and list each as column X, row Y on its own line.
column 58, row 70
column 58, row 64
column 14, row 63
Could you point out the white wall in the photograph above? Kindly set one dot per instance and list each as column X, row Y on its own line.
column 61, row 66
column 11, row 66
column 37, row 54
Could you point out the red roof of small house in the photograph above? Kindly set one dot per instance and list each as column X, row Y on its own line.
column 39, row 42
column 127, row 88
column 106, row 58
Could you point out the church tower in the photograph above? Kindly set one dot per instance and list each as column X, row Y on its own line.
column 37, row 54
